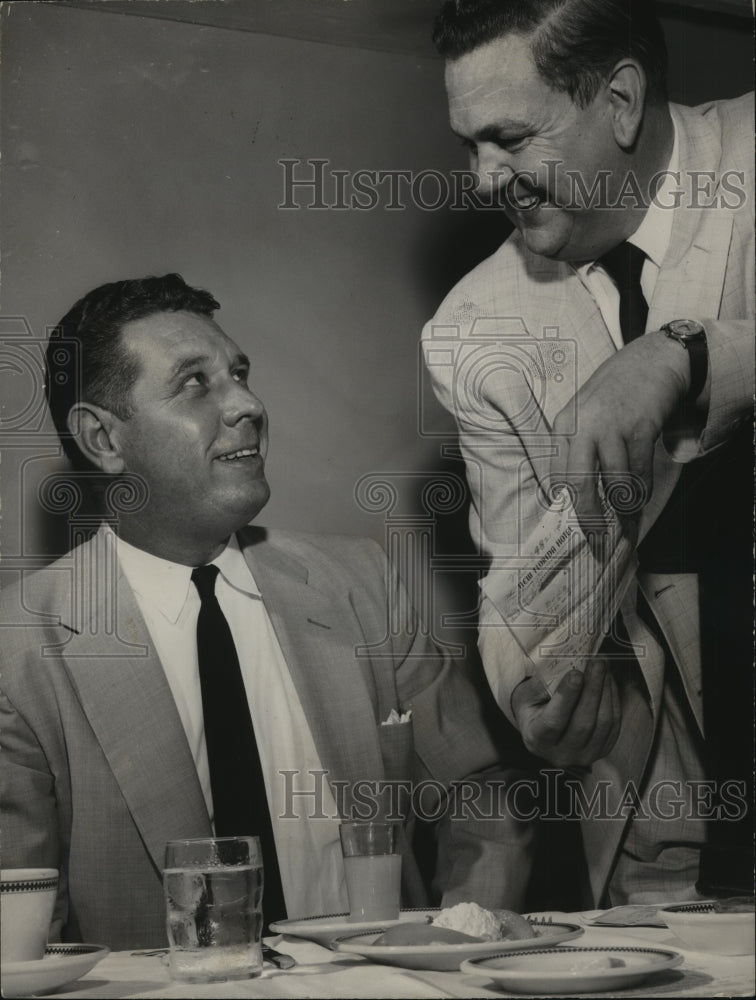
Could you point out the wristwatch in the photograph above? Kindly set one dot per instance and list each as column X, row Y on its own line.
column 692, row 336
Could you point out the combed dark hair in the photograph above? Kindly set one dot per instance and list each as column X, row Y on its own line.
column 575, row 43
column 86, row 359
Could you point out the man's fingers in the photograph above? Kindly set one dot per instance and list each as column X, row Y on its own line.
column 586, row 714
column 528, row 695
column 640, row 456
column 554, row 717
column 614, row 464
column 581, row 478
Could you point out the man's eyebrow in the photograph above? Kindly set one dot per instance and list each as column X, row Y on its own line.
column 493, row 133
column 186, row 364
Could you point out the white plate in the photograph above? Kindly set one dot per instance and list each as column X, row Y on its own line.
column 447, row 957
column 62, row 964
column 568, row 970
column 326, row 929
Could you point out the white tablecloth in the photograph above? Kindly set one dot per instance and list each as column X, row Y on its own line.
column 323, row 973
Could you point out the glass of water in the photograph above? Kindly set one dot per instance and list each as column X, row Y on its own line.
column 213, row 900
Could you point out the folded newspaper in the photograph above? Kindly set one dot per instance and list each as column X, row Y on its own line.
column 558, row 598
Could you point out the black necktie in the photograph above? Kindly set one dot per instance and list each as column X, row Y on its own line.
column 624, row 265
column 706, row 528
column 240, row 802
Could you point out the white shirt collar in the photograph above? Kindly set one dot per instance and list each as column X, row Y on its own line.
column 164, row 585
column 653, row 234
column 234, row 569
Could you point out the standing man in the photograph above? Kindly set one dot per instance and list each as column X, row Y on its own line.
column 600, row 369
column 181, row 674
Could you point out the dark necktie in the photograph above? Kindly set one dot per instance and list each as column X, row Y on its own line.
column 706, row 528
column 624, row 265
column 240, row 803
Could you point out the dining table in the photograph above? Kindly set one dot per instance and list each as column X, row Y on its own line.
column 322, row 972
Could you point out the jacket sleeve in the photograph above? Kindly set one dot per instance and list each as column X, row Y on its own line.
column 543, row 583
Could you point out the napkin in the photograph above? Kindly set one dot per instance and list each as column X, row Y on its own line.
column 631, row 915
column 395, row 719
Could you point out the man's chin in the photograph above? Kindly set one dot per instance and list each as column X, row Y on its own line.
column 547, row 237
column 240, row 510
column 542, row 242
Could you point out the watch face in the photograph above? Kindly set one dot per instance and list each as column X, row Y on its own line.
column 685, row 328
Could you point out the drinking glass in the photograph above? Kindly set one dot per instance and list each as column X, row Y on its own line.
column 373, row 869
column 213, row 899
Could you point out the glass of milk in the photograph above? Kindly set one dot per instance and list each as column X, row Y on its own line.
column 373, row 869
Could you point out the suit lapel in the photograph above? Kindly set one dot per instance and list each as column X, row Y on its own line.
column 690, row 282
column 125, row 695
column 336, row 689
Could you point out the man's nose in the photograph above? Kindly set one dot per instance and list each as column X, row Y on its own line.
column 493, row 169
column 239, row 402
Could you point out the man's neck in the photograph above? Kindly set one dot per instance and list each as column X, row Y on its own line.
column 187, row 552
column 646, row 163
column 655, row 144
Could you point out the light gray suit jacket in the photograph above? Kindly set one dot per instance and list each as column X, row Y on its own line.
column 512, row 343
column 97, row 773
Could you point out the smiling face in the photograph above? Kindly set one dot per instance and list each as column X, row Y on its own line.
column 197, row 436
column 514, row 123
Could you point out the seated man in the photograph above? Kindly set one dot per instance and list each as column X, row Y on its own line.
column 180, row 674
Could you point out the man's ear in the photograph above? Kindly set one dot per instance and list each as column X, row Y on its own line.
column 92, row 429
column 627, row 96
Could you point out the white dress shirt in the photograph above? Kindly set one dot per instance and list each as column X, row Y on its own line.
column 309, row 852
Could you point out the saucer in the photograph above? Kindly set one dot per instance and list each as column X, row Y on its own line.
column 570, row 970
column 62, row 964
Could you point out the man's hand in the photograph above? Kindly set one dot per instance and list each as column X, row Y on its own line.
column 578, row 724
column 621, row 411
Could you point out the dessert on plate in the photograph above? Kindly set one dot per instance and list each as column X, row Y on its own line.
column 461, row 924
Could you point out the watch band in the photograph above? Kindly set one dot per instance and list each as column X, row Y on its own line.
column 699, row 367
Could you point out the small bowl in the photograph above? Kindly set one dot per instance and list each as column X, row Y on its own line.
column 702, row 927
